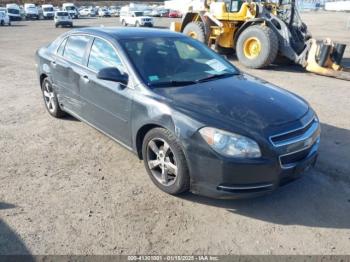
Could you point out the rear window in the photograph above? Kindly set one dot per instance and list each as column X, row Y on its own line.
column 75, row 48
column 62, row 14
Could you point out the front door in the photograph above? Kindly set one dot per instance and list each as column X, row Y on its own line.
column 107, row 104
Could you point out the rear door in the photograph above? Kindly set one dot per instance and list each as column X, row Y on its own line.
column 68, row 67
column 107, row 104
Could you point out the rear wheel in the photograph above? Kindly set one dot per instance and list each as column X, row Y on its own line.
column 257, row 46
column 124, row 23
column 137, row 24
column 195, row 30
column 50, row 99
column 165, row 161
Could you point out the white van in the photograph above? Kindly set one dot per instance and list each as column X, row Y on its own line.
column 130, row 16
column 71, row 9
column 31, row 11
column 4, row 18
column 14, row 12
column 48, row 11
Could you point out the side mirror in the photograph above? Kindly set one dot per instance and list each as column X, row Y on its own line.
column 113, row 74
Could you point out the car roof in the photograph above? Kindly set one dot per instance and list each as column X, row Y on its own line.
column 127, row 33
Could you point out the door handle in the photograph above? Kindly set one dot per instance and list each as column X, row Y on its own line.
column 85, row 79
column 53, row 63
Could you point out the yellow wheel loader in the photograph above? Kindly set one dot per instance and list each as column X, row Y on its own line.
column 260, row 33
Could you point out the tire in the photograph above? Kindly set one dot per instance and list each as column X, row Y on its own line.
column 124, row 23
column 175, row 183
column 47, row 90
column 137, row 24
column 195, row 30
column 268, row 43
column 2, row 23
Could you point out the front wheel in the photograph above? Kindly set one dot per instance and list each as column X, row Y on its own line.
column 137, row 24
column 165, row 161
column 124, row 23
column 257, row 46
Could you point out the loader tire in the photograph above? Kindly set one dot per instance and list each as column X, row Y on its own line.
column 195, row 30
column 257, row 46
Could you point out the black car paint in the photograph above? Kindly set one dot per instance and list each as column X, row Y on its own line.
column 242, row 104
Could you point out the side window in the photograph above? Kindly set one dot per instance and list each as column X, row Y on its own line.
column 60, row 50
column 103, row 55
column 75, row 48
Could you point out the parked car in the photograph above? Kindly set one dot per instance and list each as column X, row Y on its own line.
column 31, row 11
column 114, row 11
column 174, row 14
column 14, row 12
column 87, row 12
column 63, row 19
column 198, row 123
column 164, row 12
column 71, row 9
column 48, row 11
column 135, row 18
column 4, row 18
column 155, row 13
column 104, row 12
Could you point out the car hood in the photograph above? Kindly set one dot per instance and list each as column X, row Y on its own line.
column 241, row 100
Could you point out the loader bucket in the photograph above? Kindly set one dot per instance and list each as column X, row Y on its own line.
column 324, row 58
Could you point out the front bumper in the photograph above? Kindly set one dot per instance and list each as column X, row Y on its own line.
column 48, row 16
column 32, row 16
column 15, row 18
column 64, row 23
column 218, row 177
column 149, row 24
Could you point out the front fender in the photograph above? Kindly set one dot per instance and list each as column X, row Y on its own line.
column 156, row 111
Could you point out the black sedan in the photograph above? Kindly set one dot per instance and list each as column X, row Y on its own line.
column 198, row 123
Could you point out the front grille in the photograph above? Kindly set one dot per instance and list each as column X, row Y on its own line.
column 292, row 134
column 292, row 158
column 296, row 145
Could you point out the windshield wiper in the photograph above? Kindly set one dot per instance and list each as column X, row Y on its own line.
column 211, row 77
column 173, row 83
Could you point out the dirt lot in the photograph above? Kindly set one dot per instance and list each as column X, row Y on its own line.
column 67, row 189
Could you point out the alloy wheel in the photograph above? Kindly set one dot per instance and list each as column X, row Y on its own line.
column 49, row 97
column 161, row 161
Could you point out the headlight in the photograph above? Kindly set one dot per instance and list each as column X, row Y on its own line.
column 230, row 144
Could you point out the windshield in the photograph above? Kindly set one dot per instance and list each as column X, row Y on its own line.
column 175, row 60
column 48, row 9
column 70, row 8
column 138, row 13
column 13, row 11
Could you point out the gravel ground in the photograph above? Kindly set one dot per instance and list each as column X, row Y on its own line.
column 67, row 189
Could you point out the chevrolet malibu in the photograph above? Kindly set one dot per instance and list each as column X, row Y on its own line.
column 198, row 123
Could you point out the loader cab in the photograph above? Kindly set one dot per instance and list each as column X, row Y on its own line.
column 232, row 10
